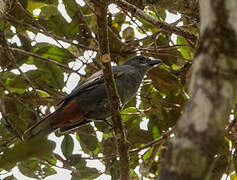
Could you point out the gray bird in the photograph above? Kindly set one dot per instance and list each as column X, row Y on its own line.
column 88, row 101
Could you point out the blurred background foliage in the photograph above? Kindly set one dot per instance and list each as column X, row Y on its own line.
column 47, row 46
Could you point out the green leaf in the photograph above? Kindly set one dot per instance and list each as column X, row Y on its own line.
column 87, row 138
column 51, row 51
column 86, row 173
column 129, row 110
column 49, row 11
column 161, row 13
column 108, row 146
column 14, row 81
column 233, row 176
column 48, row 76
column 18, row 113
column 67, row 145
column 71, row 7
column 155, row 132
column 38, row 147
column 75, row 159
column 46, row 1
column 42, row 93
column 128, row 33
column 147, row 154
column 128, row 113
column 17, row 90
column 53, row 21
column 119, row 18
column 163, row 80
column 136, row 135
column 115, row 44
column 35, row 168
column 34, row 5
column 4, row 133
column 1, row 24
column 10, row 178
column 186, row 51
column 103, row 127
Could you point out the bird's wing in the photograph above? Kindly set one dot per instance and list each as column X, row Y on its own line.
column 90, row 83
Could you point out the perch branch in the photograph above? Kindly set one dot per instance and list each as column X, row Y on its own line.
column 114, row 102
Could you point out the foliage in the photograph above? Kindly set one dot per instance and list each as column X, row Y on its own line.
column 28, row 94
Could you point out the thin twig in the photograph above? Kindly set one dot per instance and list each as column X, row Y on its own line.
column 39, row 30
column 163, row 137
column 14, row 96
column 81, row 16
column 66, row 164
column 27, row 53
column 9, row 123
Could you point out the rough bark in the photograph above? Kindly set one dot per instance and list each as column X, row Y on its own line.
column 201, row 129
column 114, row 102
column 3, row 7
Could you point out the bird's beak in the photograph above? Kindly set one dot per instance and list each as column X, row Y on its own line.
column 153, row 62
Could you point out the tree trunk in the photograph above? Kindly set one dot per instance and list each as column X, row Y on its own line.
column 201, row 129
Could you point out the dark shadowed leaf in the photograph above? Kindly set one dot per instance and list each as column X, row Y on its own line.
column 71, row 7
column 128, row 33
column 86, row 174
column 163, row 80
column 136, row 135
column 109, row 146
column 39, row 147
column 67, row 145
column 10, row 178
column 87, row 138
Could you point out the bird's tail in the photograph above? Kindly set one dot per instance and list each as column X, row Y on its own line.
column 42, row 128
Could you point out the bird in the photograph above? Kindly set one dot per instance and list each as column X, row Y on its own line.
column 89, row 102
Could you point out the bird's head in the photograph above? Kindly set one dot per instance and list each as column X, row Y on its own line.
column 142, row 63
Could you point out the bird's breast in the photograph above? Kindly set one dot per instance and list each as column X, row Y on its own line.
column 127, row 86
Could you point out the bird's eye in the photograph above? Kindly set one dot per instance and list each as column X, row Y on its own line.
column 142, row 61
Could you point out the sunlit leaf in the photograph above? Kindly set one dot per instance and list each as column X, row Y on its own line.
column 34, row 5
column 186, row 51
column 42, row 93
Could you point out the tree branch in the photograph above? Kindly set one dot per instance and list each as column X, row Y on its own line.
column 164, row 26
column 189, row 8
column 157, row 141
column 27, row 53
column 114, row 102
column 41, row 29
